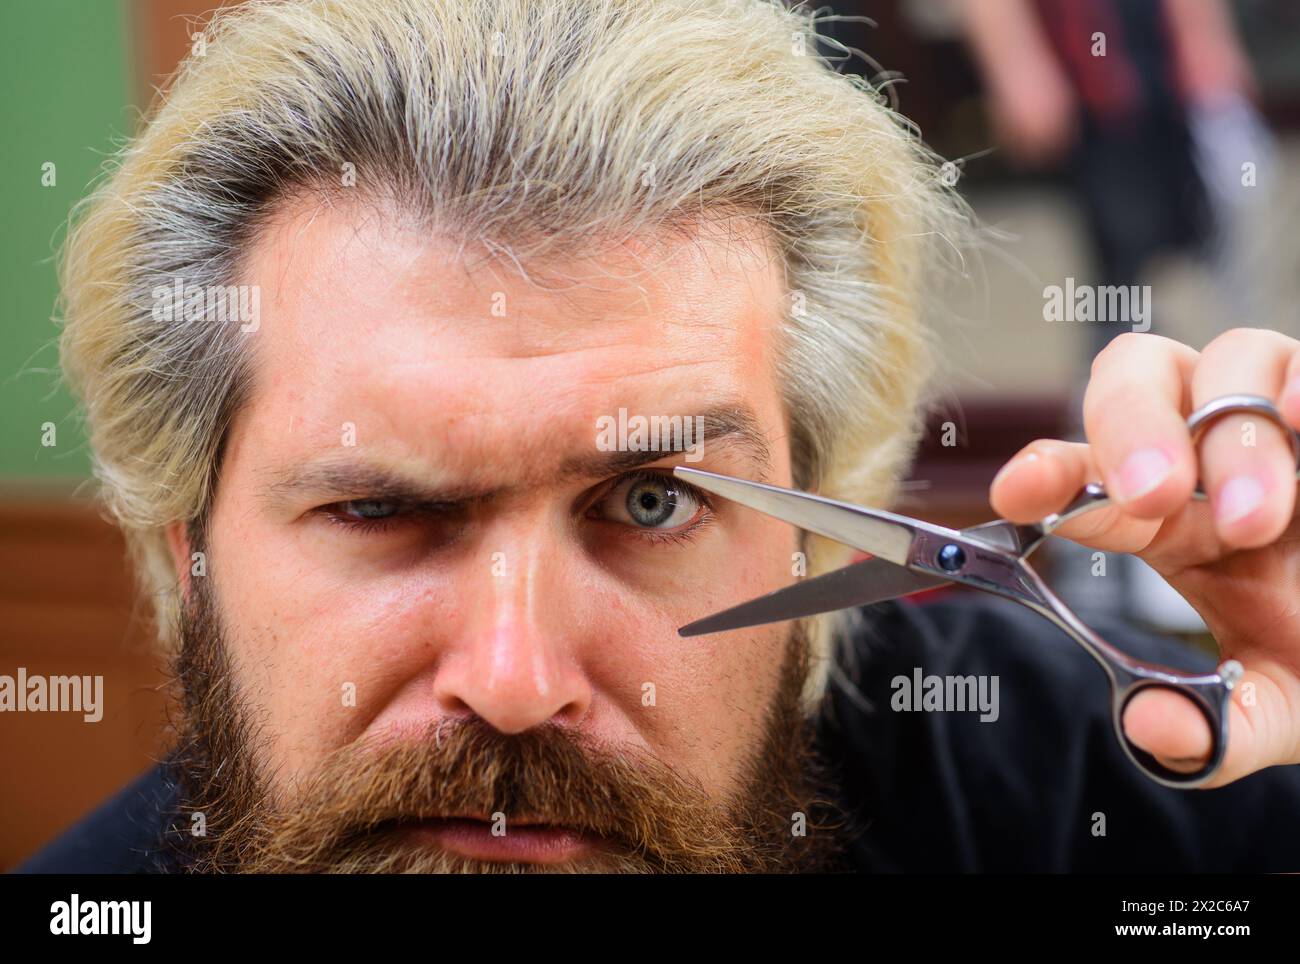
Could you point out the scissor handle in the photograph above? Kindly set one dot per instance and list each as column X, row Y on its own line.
column 1005, row 573
column 1210, row 693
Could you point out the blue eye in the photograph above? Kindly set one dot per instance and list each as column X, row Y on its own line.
column 650, row 500
column 369, row 510
column 651, row 503
column 365, row 515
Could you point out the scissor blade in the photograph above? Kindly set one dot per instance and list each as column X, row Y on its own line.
column 863, row 583
column 880, row 533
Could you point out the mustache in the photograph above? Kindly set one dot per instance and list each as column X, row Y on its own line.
column 465, row 768
column 647, row 816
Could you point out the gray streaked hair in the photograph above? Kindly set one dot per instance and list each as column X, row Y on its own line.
column 523, row 126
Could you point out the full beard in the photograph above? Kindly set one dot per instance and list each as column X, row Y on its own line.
column 355, row 813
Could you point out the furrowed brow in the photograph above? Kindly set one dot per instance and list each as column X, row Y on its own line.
column 730, row 426
column 336, row 479
column 347, row 480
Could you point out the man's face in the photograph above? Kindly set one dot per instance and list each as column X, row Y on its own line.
column 416, row 527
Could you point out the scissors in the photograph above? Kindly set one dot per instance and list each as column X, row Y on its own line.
column 910, row 555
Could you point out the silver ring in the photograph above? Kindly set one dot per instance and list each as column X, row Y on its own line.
column 1200, row 420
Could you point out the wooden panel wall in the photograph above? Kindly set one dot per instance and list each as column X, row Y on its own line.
column 66, row 609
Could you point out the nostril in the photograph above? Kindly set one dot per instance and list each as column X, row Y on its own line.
column 573, row 712
column 454, row 707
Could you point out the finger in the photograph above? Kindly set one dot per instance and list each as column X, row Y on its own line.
column 1289, row 403
column 1134, row 414
column 1247, row 465
column 1262, row 723
column 1042, row 479
column 1170, row 727
column 1039, row 479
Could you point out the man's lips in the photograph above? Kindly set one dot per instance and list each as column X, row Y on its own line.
column 520, row 841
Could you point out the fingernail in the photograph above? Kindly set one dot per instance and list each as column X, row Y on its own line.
column 1238, row 498
column 1141, row 472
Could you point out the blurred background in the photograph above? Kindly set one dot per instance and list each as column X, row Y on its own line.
column 1100, row 142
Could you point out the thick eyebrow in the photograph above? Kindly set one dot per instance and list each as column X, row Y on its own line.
column 340, row 477
column 337, row 479
column 731, row 426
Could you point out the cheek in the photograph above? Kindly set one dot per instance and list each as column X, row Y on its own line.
column 312, row 653
column 699, row 703
column 718, row 712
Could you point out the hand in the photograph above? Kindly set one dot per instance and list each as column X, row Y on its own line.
column 1235, row 558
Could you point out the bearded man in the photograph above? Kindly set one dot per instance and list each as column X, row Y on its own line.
column 422, row 621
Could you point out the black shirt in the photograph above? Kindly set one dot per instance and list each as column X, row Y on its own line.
column 938, row 791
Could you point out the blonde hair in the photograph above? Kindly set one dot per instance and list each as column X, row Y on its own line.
column 504, row 119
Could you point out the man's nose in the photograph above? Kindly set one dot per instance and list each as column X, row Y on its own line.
column 516, row 665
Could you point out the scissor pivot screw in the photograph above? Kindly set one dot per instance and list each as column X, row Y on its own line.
column 1231, row 671
column 951, row 558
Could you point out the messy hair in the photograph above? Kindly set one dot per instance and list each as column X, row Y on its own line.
column 559, row 122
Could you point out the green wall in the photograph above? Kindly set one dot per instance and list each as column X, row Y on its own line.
column 65, row 82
